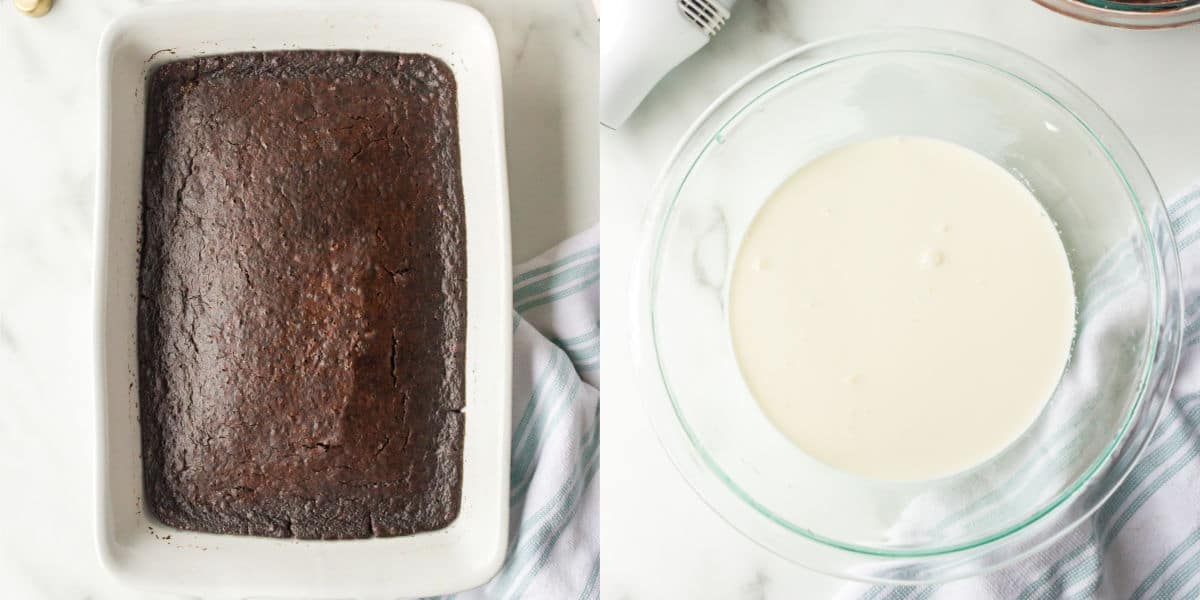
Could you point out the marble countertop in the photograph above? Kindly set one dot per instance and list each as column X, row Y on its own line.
column 47, row 155
column 660, row 540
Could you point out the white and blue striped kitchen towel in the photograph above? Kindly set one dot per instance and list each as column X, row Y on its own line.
column 1144, row 542
column 554, row 545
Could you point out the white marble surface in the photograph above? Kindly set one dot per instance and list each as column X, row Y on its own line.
column 47, row 156
column 659, row 540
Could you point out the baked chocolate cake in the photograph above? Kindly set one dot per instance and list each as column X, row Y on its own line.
column 302, row 309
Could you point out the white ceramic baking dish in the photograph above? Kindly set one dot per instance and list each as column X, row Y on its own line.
column 132, row 544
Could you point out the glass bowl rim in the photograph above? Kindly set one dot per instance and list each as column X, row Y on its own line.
column 667, row 193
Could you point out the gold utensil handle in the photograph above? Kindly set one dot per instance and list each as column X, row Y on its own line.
column 33, row 8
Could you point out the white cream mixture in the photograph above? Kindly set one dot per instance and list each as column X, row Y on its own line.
column 902, row 308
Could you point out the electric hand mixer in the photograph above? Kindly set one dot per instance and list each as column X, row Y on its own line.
column 643, row 40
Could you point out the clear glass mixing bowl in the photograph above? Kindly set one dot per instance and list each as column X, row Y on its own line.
column 1007, row 107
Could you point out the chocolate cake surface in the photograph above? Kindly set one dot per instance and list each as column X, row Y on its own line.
column 302, row 295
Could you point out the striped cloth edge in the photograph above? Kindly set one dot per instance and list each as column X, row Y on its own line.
column 554, row 538
column 1144, row 542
